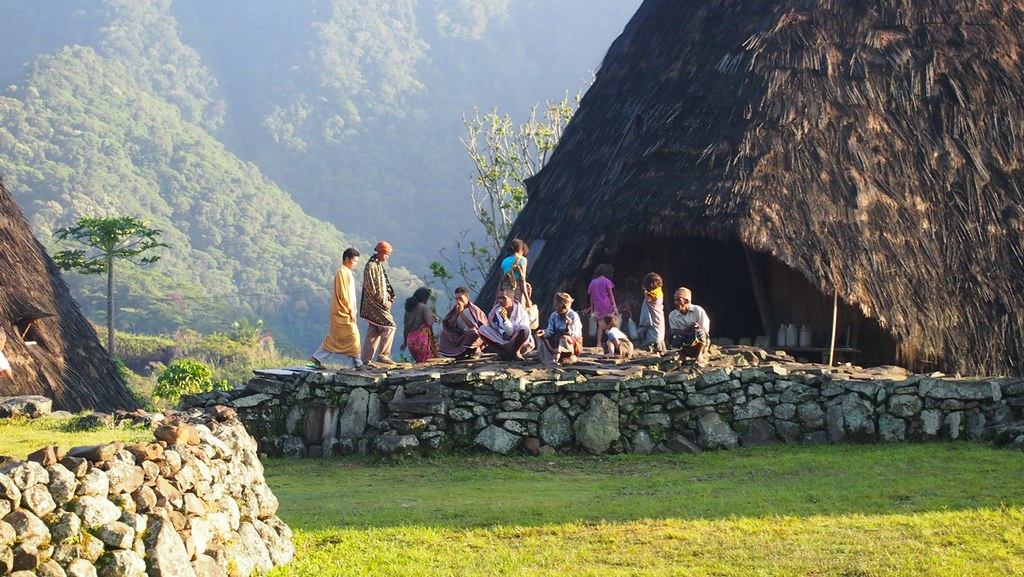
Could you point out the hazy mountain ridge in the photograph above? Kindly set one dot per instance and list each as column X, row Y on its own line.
column 83, row 139
column 148, row 108
column 359, row 105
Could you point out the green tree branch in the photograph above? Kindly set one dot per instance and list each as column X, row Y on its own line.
column 504, row 156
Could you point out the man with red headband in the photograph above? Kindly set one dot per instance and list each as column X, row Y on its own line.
column 375, row 307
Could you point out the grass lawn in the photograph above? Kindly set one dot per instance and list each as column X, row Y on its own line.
column 935, row 509
column 21, row 436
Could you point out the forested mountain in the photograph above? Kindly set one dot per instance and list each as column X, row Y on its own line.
column 355, row 108
column 264, row 137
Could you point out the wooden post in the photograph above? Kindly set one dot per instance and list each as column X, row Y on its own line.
column 760, row 296
column 835, row 316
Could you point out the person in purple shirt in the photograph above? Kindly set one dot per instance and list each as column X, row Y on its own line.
column 602, row 297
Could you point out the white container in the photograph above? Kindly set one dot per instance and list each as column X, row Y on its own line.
column 780, row 337
column 805, row 336
column 632, row 330
column 791, row 335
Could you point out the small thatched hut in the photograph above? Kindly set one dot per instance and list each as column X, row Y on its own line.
column 773, row 154
column 53, row 350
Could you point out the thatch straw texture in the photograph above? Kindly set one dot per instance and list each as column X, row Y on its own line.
column 873, row 146
column 67, row 363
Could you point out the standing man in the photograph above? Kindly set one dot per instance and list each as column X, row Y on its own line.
column 378, row 296
column 343, row 335
column 689, row 327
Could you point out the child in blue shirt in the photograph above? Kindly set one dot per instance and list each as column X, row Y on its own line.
column 616, row 343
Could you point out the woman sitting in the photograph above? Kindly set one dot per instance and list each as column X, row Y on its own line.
column 418, row 335
column 563, row 339
column 508, row 329
column 460, row 328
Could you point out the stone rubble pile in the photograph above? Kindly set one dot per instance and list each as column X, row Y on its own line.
column 653, row 404
column 193, row 502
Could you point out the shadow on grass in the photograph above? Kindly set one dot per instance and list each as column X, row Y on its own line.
column 487, row 491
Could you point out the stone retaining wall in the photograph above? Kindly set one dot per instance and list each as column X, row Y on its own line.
column 192, row 503
column 593, row 409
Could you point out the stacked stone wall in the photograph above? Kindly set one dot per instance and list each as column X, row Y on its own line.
column 192, row 503
column 638, row 409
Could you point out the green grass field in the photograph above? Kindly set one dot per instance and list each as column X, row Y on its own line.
column 942, row 509
column 935, row 509
column 20, row 436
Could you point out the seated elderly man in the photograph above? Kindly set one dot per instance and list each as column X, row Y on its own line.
column 562, row 341
column 689, row 327
column 460, row 329
column 508, row 329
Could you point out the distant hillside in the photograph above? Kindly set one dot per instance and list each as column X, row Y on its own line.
column 229, row 122
column 80, row 137
column 356, row 107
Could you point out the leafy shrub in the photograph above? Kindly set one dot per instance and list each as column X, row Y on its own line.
column 232, row 356
column 186, row 378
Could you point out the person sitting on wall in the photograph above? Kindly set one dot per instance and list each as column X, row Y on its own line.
column 689, row 327
column 460, row 328
column 616, row 343
column 563, row 339
column 508, row 329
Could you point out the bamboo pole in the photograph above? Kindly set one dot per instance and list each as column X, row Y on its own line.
column 835, row 317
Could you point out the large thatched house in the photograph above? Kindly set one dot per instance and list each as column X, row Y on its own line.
column 53, row 350
column 772, row 155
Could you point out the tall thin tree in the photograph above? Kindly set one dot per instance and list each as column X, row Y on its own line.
column 107, row 239
column 503, row 156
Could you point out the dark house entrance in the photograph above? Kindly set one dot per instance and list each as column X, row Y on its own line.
column 746, row 294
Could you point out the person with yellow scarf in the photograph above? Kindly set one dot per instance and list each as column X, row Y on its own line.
column 651, row 334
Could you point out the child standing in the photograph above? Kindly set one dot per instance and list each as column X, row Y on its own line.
column 617, row 344
column 602, row 296
column 651, row 335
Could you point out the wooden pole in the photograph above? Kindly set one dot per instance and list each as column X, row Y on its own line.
column 835, row 316
column 760, row 295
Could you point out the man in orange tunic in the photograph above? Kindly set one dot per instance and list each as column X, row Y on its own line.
column 343, row 338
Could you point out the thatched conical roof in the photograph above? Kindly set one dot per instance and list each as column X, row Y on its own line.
column 875, row 147
column 67, row 362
